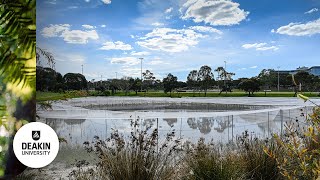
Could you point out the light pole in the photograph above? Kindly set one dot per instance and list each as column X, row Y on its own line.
column 82, row 69
column 116, row 75
column 141, row 72
column 278, row 79
column 225, row 72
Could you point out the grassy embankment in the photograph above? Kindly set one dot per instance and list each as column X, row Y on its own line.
column 44, row 96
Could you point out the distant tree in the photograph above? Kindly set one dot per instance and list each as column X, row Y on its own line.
column 308, row 81
column 157, row 84
column 135, row 84
column 148, row 79
column 124, row 84
column 193, row 80
column 224, row 79
column 250, row 85
column 75, row 81
column 169, row 83
column 205, row 77
column 48, row 79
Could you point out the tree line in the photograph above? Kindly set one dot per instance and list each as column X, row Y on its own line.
column 200, row 81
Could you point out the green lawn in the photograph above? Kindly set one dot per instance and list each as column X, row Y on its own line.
column 51, row 96
column 43, row 96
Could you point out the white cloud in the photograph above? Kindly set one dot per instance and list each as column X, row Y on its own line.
column 118, row 45
column 79, row 37
column 156, row 62
column 51, row 2
column 253, row 67
column 170, row 40
column 73, row 7
column 127, row 61
column 71, row 58
column 142, row 53
column 260, row 47
column 206, row 29
column 169, row 10
column 54, row 30
column 87, row 0
column 87, row 26
column 106, row 1
column 300, row 29
column 68, row 35
column 103, row 26
column 214, row 12
column 157, row 24
column 312, row 11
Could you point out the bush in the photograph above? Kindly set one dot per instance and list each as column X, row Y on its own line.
column 257, row 164
column 205, row 161
column 300, row 147
column 134, row 157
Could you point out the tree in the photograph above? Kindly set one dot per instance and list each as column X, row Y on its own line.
column 75, row 81
column 124, row 84
column 205, row 77
column 226, row 77
column 169, row 83
column 135, row 84
column 148, row 79
column 250, row 85
column 48, row 79
column 193, row 80
column 308, row 81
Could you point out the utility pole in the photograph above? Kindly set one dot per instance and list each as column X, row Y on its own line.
column 141, row 72
column 278, row 79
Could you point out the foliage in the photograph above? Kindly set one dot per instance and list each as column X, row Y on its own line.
column 169, row 83
column 139, row 155
column 49, row 80
column 135, row 84
column 225, row 77
column 17, row 70
column 300, row 147
column 308, row 81
column 250, row 85
column 148, row 79
column 18, row 37
column 206, row 161
column 205, row 77
column 243, row 160
column 192, row 81
column 257, row 164
column 75, row 81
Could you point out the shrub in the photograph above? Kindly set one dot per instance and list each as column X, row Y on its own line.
column 300, row 157
column 206, row 161
column 257, row 164
column 136, row 156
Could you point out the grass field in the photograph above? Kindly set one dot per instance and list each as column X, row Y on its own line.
column 44, row 96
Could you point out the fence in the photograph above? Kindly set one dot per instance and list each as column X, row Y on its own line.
column 223, row 127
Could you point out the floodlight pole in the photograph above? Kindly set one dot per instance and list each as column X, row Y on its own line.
column 82, row 69
column 225, row 72
column 278, row 79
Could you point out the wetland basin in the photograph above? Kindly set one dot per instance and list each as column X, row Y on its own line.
column 220, row 119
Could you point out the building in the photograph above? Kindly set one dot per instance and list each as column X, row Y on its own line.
column 314, row 70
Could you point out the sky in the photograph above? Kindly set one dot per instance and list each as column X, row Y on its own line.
column 108, row 37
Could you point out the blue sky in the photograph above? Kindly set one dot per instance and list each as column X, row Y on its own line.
column 176, row 36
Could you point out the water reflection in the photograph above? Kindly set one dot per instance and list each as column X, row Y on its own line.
column 219, row 128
